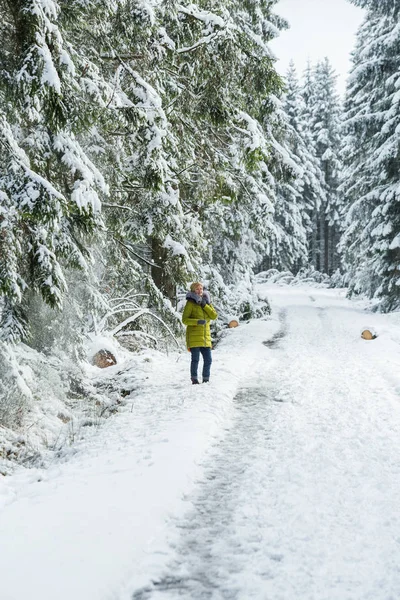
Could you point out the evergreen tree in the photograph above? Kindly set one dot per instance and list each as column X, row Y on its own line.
column 323, row 108
column 371, row 242
column 203, row 106
column 166, row 106
column 300, row 195
column 231, row 75
column 50, row 188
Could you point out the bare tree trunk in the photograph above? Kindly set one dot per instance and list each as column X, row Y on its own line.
column 326, row 248
column 322, row 238
column 332, row 249
column 314, row 243
column 161, row 276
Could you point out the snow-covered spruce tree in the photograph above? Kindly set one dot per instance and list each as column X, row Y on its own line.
column 229, row 80
column 323, row 112
column 371, row 242
column 167, row 99
column 19, row 188
column 151, row 238
column 192, row 156
column 299, row 184
column 298, row 101
column 49, row 187
column 307, row 93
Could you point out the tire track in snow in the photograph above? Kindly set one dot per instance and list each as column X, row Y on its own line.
column 200, row 568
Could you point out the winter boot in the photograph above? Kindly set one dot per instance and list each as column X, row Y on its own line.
column 206, row 380
column 195, row 381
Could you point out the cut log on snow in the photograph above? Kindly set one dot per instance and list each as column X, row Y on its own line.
column 368, row 335
column 104, row 358
column 233, row 323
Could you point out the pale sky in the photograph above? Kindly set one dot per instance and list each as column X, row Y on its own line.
column 318, row 28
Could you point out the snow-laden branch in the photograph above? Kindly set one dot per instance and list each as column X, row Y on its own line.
column 148, row 262
column 8, row 141
column 143, row 311
column 215, row 26
column 201, row 42
column 138, row 334
column 253, row 131
column 210, row 19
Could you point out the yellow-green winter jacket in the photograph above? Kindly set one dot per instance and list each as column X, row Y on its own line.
column 198, row 335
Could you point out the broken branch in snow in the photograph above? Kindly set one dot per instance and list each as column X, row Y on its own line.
column 143, row 311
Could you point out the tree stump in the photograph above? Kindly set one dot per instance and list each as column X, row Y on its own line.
column 104, row 358
column 233, row 323
column 368, row 335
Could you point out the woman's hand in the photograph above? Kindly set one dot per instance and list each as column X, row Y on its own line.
column 205, row 299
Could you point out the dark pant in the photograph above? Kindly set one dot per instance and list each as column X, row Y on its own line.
column 207, row 360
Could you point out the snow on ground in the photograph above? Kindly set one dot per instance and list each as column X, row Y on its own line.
column 278, row 480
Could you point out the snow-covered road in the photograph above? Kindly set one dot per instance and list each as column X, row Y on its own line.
column 279, row 481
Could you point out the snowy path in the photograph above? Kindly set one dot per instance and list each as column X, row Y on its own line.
column 278, row 481
column 300, row 501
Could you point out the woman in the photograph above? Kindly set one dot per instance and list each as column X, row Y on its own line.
column 196, row 316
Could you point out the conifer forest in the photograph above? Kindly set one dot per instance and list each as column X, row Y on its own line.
column 146, row 144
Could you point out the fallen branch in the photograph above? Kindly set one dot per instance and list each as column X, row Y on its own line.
column 133, row 318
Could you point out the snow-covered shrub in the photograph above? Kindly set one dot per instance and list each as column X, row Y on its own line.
column 265, row 276
column 140, row 322
column 275, row 276
column 304, row 276
column 312, row 276
column 46, row 402
column 338, row 280
column 246, row 302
